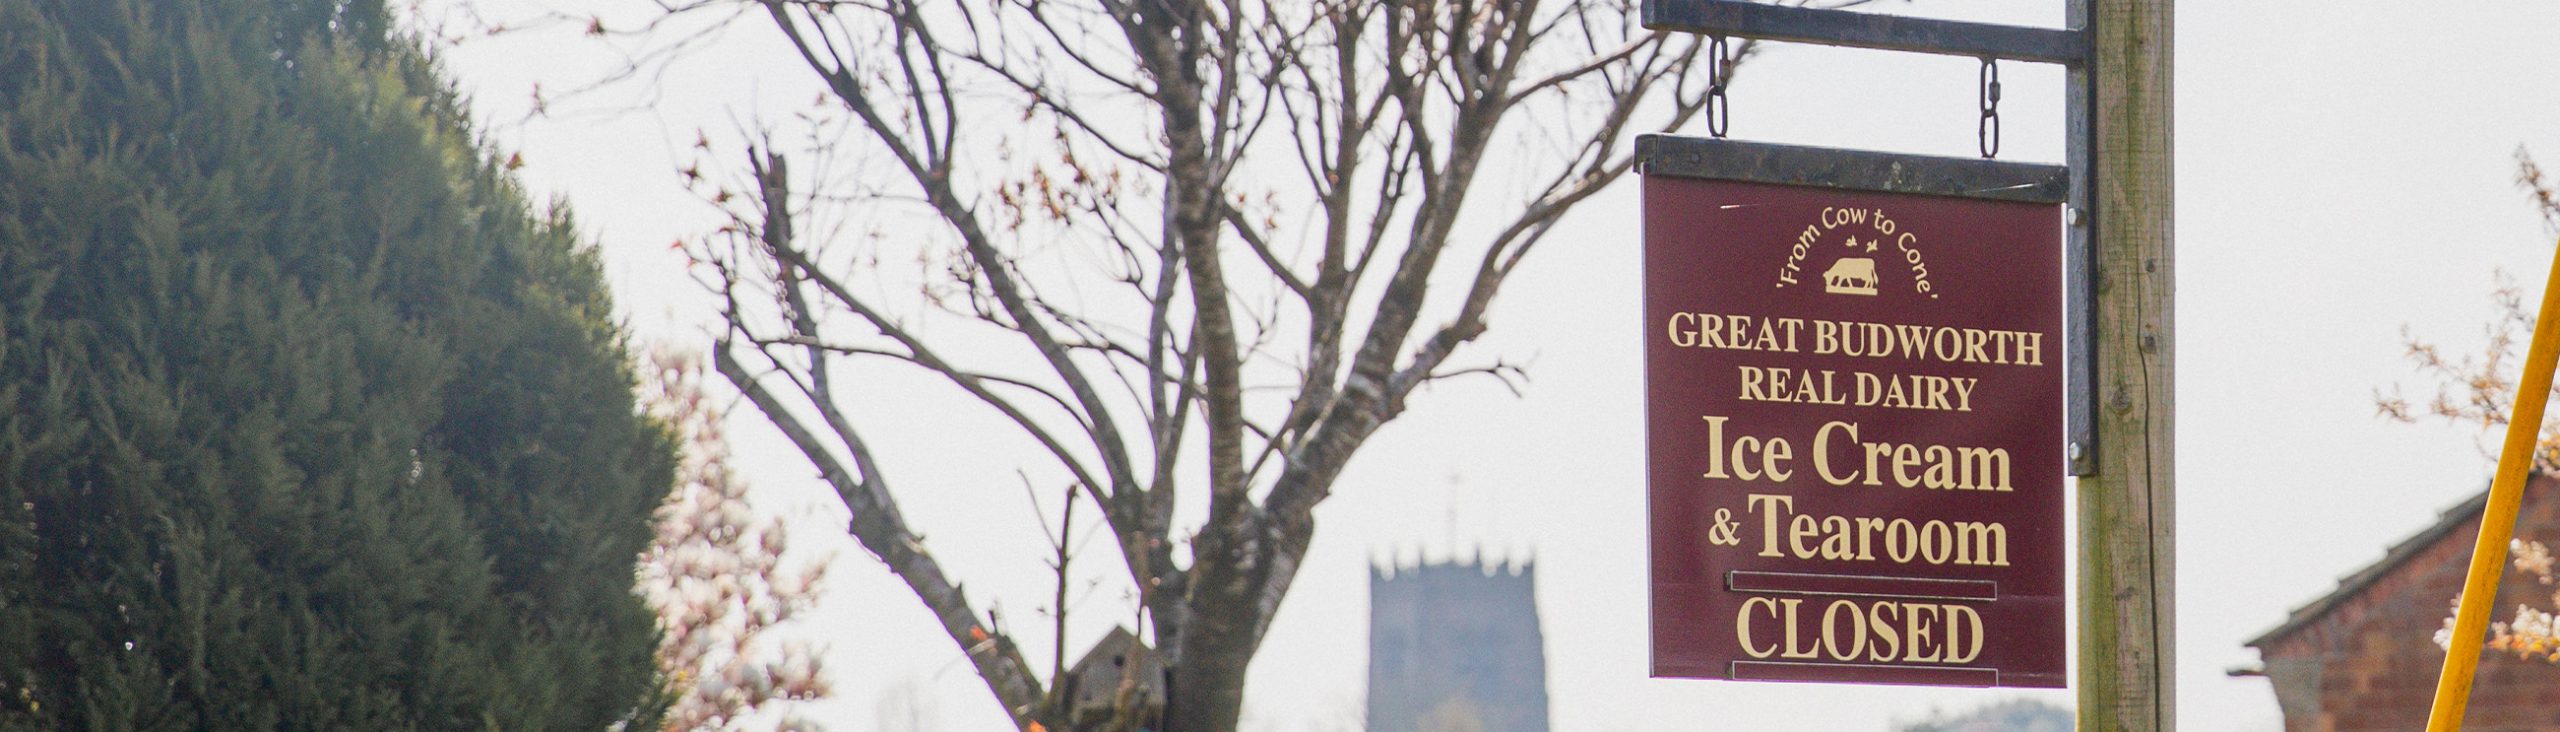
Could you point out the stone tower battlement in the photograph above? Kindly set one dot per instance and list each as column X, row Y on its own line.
column 1456, row 644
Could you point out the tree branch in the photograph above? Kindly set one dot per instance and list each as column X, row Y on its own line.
column 882, row 531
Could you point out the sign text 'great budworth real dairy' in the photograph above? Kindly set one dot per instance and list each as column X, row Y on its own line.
column 1853, row 412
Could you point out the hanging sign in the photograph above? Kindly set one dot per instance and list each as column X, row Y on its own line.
column 1854, row 417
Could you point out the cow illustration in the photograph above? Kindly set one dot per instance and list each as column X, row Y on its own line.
column 1850, row 276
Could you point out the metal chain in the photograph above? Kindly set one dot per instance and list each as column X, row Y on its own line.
column 1718, row 109
column 1988, row 131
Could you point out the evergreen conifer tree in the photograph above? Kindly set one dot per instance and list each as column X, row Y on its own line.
column 306, row 422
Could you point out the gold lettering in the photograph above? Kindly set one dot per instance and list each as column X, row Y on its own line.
column 1822, row 452
column 1775, row 384
column 1852, row 630
column 1802, row 528
column 1813, row 392
column 1795, row 254
column 1982, row 544
column 1915, row 391
column 1742, row 467
column 1831, row 626
column 1769, row 519
column 1914, row 340
column 1836, row 546
column 1742, row 626
column 1941, row 474
column 1833, row 218
column 1774, row 461
column 1773, row 454
column 1905, row 457
column 1754, row 384
column 1936, row 542
column 1935, row 467
column 1907, row 341
column 1867, row 528
column 1733, row 332
column 1888, row 643
column 1901, row 541
column 1918, row 630
column 1844, row 538
column 1972, row 619
column 1793, row 650
column 1874, row 450
column 1982, row 468
column 1715, row 443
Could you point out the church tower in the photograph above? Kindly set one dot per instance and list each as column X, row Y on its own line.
column 1455, row 646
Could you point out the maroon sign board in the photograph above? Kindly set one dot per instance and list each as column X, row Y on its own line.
column 1854, row 433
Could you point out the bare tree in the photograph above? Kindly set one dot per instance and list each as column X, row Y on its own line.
column 1231, row 237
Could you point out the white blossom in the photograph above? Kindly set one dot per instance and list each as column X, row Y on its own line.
column 712, row 574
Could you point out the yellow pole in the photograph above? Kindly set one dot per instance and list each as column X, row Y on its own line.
column 2498, row 520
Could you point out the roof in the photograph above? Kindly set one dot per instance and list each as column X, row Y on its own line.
column 2450, row 520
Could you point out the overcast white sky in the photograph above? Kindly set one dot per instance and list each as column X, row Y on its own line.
column 2343, row 169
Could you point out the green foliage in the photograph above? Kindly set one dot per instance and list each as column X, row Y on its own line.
column 2009, row 715
column 305, row 422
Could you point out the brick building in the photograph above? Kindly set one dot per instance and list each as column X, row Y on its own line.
column 2364, row 657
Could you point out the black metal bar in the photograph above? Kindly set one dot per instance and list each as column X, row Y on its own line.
column 2079, row 262
column 1864, row 170
column 1868, row 30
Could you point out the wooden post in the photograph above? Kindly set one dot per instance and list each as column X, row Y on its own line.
column 2128, row 507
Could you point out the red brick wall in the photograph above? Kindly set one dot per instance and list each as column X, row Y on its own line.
column 2374, row 655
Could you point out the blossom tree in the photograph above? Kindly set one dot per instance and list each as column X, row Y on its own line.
column 2477, row 390
column 717, row 577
